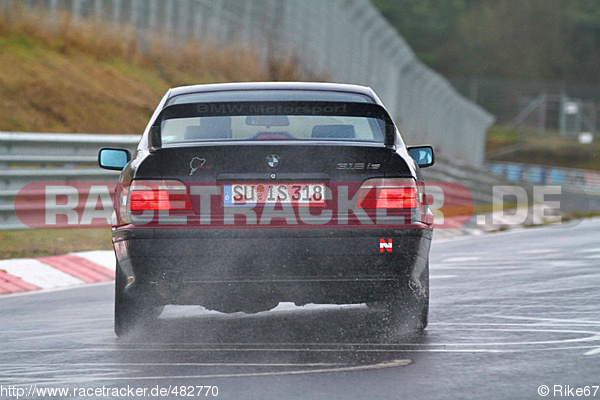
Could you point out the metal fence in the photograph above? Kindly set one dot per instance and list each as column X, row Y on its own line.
column 346, row 40
column 541, row 105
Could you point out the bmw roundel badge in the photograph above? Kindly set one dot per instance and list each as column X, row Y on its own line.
column 273, row 160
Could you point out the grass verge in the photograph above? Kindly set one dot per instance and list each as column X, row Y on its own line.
column 45, row 242
column 550, row 149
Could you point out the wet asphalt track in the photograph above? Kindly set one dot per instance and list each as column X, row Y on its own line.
column 509, row 312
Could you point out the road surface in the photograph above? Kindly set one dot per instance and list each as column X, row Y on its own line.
column 510, row 312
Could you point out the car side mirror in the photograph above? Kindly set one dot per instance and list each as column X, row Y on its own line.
column 113, row 159
column 423, row 155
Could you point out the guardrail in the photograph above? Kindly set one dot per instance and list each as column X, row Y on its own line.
column 26, row 158
column 478, row 181
column 569, row 178
column 34, row 157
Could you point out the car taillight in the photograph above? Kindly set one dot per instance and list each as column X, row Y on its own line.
column 159, row 196
column 398, row 194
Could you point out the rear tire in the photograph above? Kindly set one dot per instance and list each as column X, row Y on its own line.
column 131, row 314
column 409, row 307
column 404, row 310
column 422, row 304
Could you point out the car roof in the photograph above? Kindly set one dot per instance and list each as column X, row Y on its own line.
column 256, row 86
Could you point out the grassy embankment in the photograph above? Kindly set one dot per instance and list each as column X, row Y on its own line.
column 94, row 79
column 91, row 78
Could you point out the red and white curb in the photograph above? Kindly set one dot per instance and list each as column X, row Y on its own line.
column 54, row 272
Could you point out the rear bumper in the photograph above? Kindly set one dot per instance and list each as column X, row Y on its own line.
column 194, row 266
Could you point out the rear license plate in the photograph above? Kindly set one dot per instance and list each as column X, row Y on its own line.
column 271, row 193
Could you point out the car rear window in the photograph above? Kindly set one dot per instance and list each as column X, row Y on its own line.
column 273, row 120
column 296, row 128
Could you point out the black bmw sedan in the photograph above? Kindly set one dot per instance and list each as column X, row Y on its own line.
column 241, row 196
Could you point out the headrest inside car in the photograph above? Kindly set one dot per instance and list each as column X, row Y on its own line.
column 210, row 128
column 333, row 131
